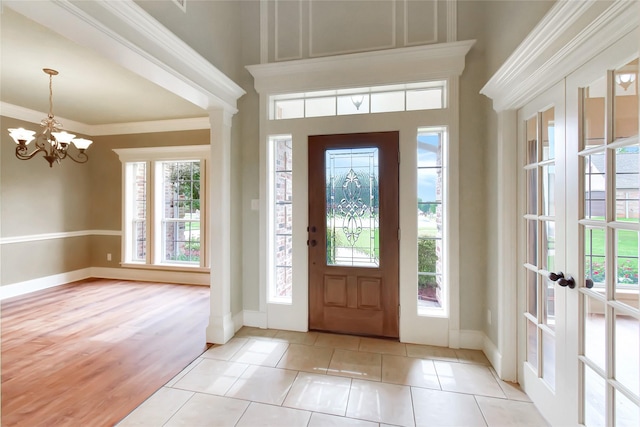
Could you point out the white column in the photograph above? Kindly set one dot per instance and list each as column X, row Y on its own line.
column 506, row 366
column 220, row 328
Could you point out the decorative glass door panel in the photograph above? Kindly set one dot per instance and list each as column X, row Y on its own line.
column 353, row 234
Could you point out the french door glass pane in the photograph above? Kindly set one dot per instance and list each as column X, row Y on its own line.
column 627, row 412
column 548, row 190
column 627, row 267
column 594, row 186
column 625, row 108
column 532, row 242
column 532, row 191
column 532, row 293
column 548, row 245
column 594, row 253
column 627, row 347
column 593, row 118
column 352, row 193
column 548, row 134
column 627, row 184
column 549, row 359
column 594, row 399
column 550, row 304
column 532, row 345
column 532, row 140
column 594, row 331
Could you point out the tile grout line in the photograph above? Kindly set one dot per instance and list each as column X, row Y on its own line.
column 193, row 393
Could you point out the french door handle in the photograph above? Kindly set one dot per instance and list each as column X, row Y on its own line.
column 567, row 281
column 312, row 242
column 554, row 277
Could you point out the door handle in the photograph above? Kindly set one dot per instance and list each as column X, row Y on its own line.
column 588, row 283
column 311, row 242
column 562, row 280
column 554, row 277
column 567, row 281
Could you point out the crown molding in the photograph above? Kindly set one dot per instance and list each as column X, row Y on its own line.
column 125, row 34
column 175, row 125
column 389, row 66
column 555, row 49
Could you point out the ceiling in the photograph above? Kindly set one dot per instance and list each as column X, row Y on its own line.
column 89, row 89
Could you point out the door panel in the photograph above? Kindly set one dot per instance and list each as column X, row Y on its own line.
column 353, row 233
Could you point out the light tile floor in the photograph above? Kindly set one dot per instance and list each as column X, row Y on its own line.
column 280, row 378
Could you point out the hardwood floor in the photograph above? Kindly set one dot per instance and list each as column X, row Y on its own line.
column 88, row 353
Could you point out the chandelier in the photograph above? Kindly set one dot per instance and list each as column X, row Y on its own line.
column 52, row 141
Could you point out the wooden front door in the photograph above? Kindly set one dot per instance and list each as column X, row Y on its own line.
column 353, row 233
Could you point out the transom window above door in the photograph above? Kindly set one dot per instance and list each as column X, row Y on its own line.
column 362, row 100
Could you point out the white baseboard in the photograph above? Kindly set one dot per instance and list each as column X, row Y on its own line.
column 253, row 318
column 471, row 339
column 33, row 285
column 180, row 277
column 493, row 354
column 238, row 321
column 28, row 286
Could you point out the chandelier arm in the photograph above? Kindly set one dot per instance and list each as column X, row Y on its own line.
column 81, row 157
column 21, row 152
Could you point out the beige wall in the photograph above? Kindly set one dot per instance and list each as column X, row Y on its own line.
column 501, row 18
column 37, row 199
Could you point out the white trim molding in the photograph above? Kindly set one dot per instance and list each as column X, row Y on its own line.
column 127, row 35
column 408, row 64
column 256, row 319
column 59, row 235
column 557, row 47
column 471, row 339
column 33, row 285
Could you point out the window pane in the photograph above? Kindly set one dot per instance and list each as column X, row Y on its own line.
column 532, row 191
column 594, row 186
column 532, row 293
column 549, row 190
column 627, row 412
column 352, row 207
column 549, row 359
column 281, row 283
column 594, row 399
column 532, row 242
column 425, row 99
column 181, row 205
column 532, row 140
column 288, row 109
column 594, row 331
column 627, row 267
column 548, row 135
column 430, row 175
column 320, row 107
column 532, row 345
column 593, row 103
column 548, row 245
column 625, row 108
column 594, row 252
column 387, row 102
column 627, row 184
column 139, row 211
column 627, row 342
column 550, row 304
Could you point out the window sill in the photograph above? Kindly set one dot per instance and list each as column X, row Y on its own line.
column 166, row 267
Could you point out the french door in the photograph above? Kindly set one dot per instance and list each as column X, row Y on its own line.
column 353, row 233
column 580, row 306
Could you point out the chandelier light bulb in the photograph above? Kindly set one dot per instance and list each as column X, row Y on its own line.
column 21, row 135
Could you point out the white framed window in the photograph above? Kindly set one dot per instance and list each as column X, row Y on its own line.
column 364, row 100
column 164, row 218
column 432, row 188
column 281, row 209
